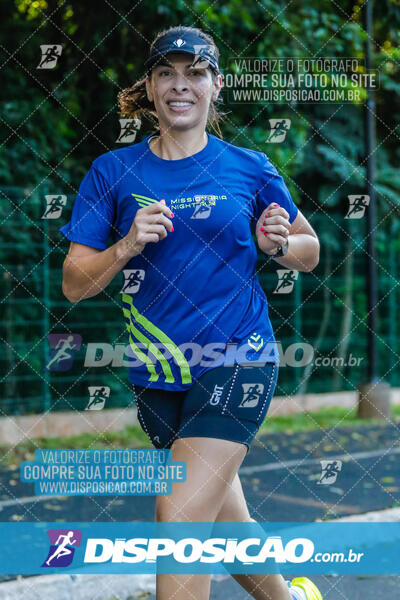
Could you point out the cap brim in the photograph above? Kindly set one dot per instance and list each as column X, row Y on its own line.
column 155, row 60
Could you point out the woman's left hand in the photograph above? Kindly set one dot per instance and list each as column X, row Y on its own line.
column 272, row 228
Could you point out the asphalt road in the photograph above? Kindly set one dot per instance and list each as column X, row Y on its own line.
column 279, row 475
column 342, row 587
column 280, row 479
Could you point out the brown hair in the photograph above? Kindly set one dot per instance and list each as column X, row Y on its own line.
column 133, row 101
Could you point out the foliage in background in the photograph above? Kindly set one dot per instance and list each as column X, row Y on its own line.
column 55, row 122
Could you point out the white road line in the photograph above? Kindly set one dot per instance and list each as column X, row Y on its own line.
column 25, row 500
column 243, row 471
column 276, row 466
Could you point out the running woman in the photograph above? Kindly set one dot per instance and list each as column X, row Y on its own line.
column 182, row 207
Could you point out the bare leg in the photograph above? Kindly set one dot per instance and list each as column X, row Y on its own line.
column 261, row 587
column 211, row 465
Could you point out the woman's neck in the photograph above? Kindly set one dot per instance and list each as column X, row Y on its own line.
column 179, row 146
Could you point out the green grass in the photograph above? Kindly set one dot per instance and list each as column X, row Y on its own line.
column 323, row 419
column 133, row 436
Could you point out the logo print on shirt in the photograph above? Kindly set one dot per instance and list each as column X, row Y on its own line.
column 204, row 200
column 202, row 209
column 143, row 200
column 255, row 341
column 286, row 280
column 132, row 280
column 251, row 394
column 179, row 42
column 216, row 395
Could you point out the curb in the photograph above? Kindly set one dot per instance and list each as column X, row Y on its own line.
column 83, row 587
column 391, row 515
column 17, row 428
column 79, row 587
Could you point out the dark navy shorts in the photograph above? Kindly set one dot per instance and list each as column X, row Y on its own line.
column 227, row 402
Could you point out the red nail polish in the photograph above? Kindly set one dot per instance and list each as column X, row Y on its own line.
column 265, row 233
column 275, row 205
column 261, row 228
column 172, row 214
column 172, row 228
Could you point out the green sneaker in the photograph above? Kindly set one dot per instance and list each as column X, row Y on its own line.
column 302, row 588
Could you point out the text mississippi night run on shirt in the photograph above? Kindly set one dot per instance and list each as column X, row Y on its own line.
column 199, row 284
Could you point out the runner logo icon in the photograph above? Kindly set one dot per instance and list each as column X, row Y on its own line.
column 286, row 280
column 98, row 394
column 62, row 542
column 50, row 54
column 54, row 206
column 62, row 348
column 129, row 129
column 357, row 206
column 251, row 395
column 132, row 280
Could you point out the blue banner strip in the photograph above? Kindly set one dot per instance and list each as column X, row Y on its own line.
column 148, row 547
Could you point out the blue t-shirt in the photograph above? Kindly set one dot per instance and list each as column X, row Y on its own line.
column 191, row 301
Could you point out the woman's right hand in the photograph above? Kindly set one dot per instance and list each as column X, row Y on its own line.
column 151, row 224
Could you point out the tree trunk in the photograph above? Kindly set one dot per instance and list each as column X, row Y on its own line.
column 324, row 321
column 347, row 317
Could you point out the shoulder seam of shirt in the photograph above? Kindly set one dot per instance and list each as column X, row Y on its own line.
column 267, row 160
column 96, row 168
column 110, row 188
column 251, row 154
column 264, row 160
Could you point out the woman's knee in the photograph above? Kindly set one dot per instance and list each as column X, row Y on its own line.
column 211, row 465
column 193, row 509
column 234, row 507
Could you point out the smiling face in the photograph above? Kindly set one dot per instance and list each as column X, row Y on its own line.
column 181, row 93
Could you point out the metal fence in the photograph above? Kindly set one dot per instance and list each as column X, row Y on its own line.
column 325, row 310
